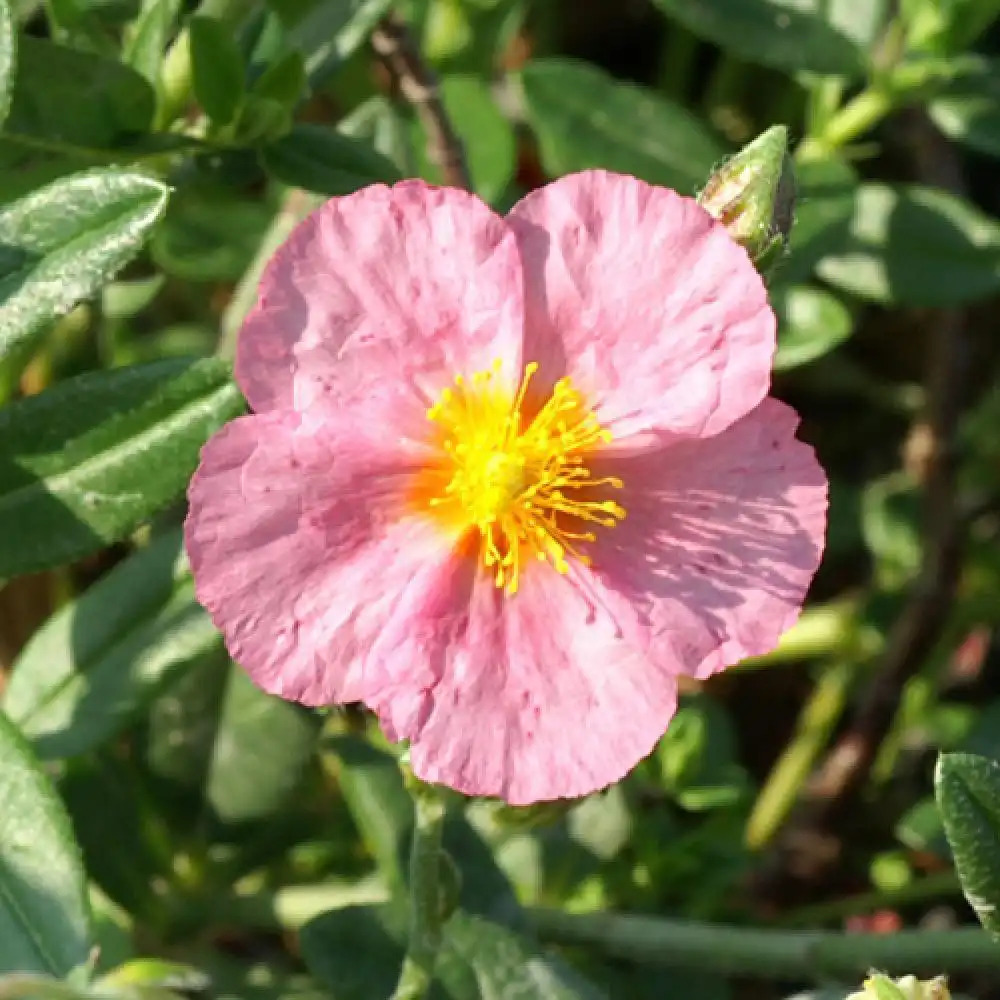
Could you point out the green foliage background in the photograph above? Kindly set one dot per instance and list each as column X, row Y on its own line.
column 168, row 830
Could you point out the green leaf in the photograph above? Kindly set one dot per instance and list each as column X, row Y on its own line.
column 58, row 246
column 379, row 804
column 950, row 26
column 862, row 23
column 322, row 160
column 44, row 917
column 916, row 246
column 328, row 33
column 66, row 99
column 210, row 233
column 96, row 663
column 217, row 69
column 920, row 828
column 891, row 526
column 378, row 122
column 106, row 791
column 149, row 37
column 506, row 964
column 283, row 81
column 157, row 973
column 239, row 750
column 487, row 136
column 84, row 25
column 125, row 299
column 826, row 193
column 357, row 952
column 26, row 986
column 968, row 794
column 602, row 823
column 811, row 323
column 968, row 111
column 8, row 54
column 266, row 113
column 23, row 170
column 698, row 759
column 383, row 812
column 261, row 748
column 585, row 118
column 85, row 462
column 785, row 34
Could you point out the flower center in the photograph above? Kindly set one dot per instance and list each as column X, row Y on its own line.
column 522, row 485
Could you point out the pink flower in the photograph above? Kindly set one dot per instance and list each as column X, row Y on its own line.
column 507, row 479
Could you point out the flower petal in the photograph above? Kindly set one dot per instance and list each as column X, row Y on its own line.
column 528, row 698
column 720, row 543
column 645, row 302
column 407, row 285
column 294, row 540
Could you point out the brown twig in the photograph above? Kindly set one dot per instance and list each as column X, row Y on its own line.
column 393, row 44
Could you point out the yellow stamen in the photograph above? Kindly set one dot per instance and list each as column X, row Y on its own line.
column 521, row 485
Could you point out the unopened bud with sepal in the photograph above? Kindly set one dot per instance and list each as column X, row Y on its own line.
column 753, row 195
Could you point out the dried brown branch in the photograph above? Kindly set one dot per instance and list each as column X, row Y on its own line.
column 418, row 85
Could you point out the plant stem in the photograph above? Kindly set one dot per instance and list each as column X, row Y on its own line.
column 418, row 85
column 815, row 726
column 823, row 630
column 425, row 896
column 808, row 955
column 934, row 886
column 852, row 121
column 824, row 100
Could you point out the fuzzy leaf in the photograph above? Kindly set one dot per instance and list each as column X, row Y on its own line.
column 58, row 246
column 968, row 794
column 87, row 461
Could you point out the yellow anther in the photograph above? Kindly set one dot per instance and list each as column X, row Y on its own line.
column 519, row 480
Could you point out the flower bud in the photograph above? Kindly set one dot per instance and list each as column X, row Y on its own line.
column 879, row 987
column 753, row 195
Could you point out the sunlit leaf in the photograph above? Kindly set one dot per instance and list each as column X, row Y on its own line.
column 59, row 244
column 85, row 462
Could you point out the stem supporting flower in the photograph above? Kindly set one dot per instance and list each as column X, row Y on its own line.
column 417, row 972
